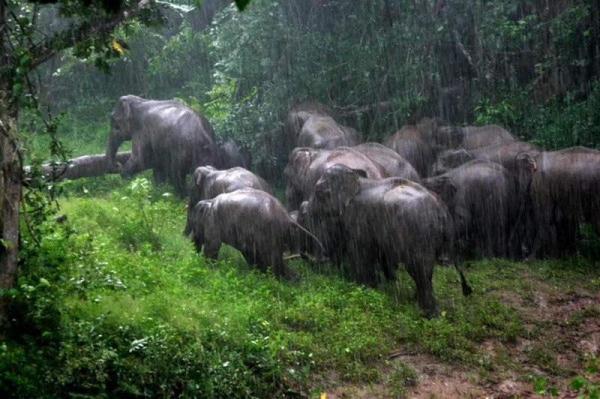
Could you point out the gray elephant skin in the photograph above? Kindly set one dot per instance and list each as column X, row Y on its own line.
column 377, row 224
column 482, row 200
column 411, row 143
column 209, row 182
column 231, row 154
column 484, row 136
column 166, row 136
column 510, row 155
column 313, row 125
column 392, row 163
column 565, row 191
column 307, row 165
column 252, row 221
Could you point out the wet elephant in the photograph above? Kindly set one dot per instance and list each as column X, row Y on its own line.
column 298, row 115
column 482, row 200
column 510, row 155
column 306, row 165
column 565, row 192
column 231, row 154
column 378, row 224
column 209, row 182
column 252, row 221
column 484, row 136
column 392, row 163
column 166, row 136
column 324, row 132
column 411, row 144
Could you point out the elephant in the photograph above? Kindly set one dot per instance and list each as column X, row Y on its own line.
column 564, row 192
column 483, row 202
column 209, row 182
column 510, row 155
column 230, row 155
column 306, row 165
column 450, row 159
column 324, row 132
column 410, row 143
column 298, row 115
column 166, row 136
column 483, row 136
column 389, row 160
column 377, row 224
column 252, row 221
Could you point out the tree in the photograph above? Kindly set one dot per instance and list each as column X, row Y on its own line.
column 23, row 48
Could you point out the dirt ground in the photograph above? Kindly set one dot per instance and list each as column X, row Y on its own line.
column 563, row 330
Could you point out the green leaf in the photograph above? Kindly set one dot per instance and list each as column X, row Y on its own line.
column 577, row 383
column 241, row 4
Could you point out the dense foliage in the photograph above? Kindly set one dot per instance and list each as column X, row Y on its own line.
column 530, row 66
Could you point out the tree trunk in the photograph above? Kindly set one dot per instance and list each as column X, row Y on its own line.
column 10, row 176
column 10, row 201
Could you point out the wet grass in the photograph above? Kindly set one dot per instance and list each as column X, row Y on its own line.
column 117, row 303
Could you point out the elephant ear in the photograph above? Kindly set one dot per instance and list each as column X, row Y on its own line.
column 443, row 186
column 121, row 115
column 361, row 173
column 299, row 162
column 526, row 162
column 201, row 210
column 200, row 174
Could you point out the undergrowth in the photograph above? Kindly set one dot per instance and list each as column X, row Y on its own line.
column 116, row 303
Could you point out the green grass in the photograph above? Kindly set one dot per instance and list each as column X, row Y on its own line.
column 116, row 303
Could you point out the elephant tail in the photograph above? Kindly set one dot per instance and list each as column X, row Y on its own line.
column 310, row 235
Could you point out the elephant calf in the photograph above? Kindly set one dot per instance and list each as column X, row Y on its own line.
column 209, row 182
column 252, row 221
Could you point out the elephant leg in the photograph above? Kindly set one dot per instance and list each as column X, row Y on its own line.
column 275, row 260
column 211, row 248
column 159, row 175
column 177, row 179
column 363, row 270
column 198, row 239
column 421, row 271
column 253, row 259
column 136, row 162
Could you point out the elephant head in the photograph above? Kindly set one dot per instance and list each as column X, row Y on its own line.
column 231, row 154
column 439, row 135
column 451, row 159
column 121, row 128
column 336, row 188
column 526, row 165
column 295, row 173
column 200, row 174
column 444, row 187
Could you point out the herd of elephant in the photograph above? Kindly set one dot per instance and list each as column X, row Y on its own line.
column 430, row 193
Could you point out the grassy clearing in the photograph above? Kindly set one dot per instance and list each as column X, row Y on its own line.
column 117, row 304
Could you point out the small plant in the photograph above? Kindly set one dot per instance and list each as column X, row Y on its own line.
column 402, row 377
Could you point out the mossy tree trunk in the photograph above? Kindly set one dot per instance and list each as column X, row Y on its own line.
column 10, row 178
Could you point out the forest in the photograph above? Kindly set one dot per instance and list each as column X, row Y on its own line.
column 299, row 198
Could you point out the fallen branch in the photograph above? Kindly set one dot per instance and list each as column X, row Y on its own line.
column 77, row 168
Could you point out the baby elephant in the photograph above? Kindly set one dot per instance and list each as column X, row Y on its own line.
column 252, row 221
column 210, row 182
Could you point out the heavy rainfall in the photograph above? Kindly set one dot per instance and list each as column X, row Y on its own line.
column 299, row 198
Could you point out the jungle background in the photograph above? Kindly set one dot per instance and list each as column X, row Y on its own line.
column 114, row 302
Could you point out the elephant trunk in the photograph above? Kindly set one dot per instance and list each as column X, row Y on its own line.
column 111, row 150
